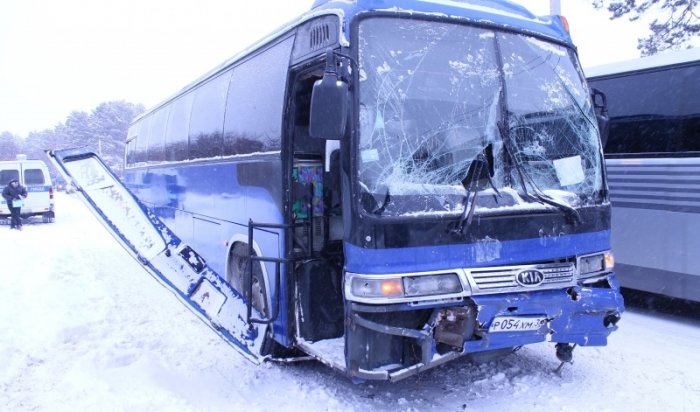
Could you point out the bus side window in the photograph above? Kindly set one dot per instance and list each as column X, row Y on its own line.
column 652, row 112
column 177, row 127
column 206, row 132
column 255, row 101
column 156, row 135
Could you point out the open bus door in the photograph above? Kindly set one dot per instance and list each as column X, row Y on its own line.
column 161, row 253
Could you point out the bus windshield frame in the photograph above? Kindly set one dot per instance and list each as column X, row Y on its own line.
column 434, row 96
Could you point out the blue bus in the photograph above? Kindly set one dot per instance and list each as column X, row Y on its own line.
column 653, row 163
column 381, row 185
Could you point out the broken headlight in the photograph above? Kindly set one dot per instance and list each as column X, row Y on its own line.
column 431, row 285
column 591, row 265
column 402, row 288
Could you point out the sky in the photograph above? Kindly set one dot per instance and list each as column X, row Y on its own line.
column 60, row 56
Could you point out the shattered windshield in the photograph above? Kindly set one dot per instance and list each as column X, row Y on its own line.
column 434, row 97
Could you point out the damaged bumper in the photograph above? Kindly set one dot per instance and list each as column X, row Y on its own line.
column 408, row 338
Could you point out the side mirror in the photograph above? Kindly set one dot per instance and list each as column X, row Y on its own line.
column 329, row 104
column 600, row 105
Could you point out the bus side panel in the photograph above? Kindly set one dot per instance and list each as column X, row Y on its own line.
column 655, row 225
column 208, row 206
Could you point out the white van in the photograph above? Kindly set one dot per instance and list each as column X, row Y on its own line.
column 34, row 175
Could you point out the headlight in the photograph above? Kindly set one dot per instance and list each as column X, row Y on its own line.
column 366, row 288
column 594, row 264
column 377, row 288
column 431, row 285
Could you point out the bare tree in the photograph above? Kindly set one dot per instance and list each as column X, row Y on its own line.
column 675, row 26
column 10, row 146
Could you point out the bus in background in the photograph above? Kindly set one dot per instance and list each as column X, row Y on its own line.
column 383, row 185
column 653, row 164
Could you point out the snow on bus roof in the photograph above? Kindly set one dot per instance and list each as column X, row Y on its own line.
column 659, row 60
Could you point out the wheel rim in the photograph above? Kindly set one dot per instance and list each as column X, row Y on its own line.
column 238, row 267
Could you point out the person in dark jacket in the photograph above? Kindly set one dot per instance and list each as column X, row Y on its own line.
column 13, row 194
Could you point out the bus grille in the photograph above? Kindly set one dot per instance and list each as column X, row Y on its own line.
column 503, row 279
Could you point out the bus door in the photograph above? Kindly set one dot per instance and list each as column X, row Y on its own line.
column 36, row 178
column 170, row 261
column 315, row 211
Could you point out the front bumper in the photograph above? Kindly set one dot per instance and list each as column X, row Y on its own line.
column 391, row 342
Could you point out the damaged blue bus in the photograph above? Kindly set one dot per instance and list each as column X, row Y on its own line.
column 381, row 185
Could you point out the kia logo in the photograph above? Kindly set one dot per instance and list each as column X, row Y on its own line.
column 530, row 278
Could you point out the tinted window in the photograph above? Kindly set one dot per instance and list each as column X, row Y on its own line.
column 131, row 144
column 130, row 149
column 7, row 175
column 176, row 131
column 653, row 112
column 34, row 177
column 207, row 120
column 141, row 141
column 255, row 102
column 156, row 135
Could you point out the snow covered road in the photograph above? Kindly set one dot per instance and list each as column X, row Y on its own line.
column 84, row 328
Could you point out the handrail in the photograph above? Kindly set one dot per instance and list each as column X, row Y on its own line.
column 277, row 261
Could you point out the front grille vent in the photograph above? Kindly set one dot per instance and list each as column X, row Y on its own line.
column 503, row 279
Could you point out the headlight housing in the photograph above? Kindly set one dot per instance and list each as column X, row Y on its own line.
column 595, row 264
column 432, row 285
column 403, row 288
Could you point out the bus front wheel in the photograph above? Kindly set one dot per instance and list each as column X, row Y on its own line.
column 237, row 277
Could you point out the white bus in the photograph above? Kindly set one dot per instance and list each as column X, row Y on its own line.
column 653, row 164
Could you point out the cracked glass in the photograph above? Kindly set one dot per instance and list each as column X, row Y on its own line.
column 436, row 97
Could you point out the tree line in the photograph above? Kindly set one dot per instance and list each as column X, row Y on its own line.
column 676, row 23
column 103, row 130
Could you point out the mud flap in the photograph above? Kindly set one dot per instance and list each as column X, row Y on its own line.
column 174, row 264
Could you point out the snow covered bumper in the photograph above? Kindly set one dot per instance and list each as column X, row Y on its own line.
column 394, row 341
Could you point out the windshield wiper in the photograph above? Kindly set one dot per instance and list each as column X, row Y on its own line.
column 379, row 209
column 478, row 174
column 570, row 212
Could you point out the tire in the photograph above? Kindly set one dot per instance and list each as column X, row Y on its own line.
column 236, row 276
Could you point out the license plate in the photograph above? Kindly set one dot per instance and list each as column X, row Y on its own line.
column 516, row 323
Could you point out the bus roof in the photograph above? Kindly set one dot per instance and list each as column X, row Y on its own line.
column 499, row 12
column 669, row 58
column 503, row 13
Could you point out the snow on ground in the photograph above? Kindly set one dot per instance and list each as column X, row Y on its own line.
column 83, row 327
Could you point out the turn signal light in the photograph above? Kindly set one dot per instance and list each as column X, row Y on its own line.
column 609, row 260
column 565, row 23
column 392, row 287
